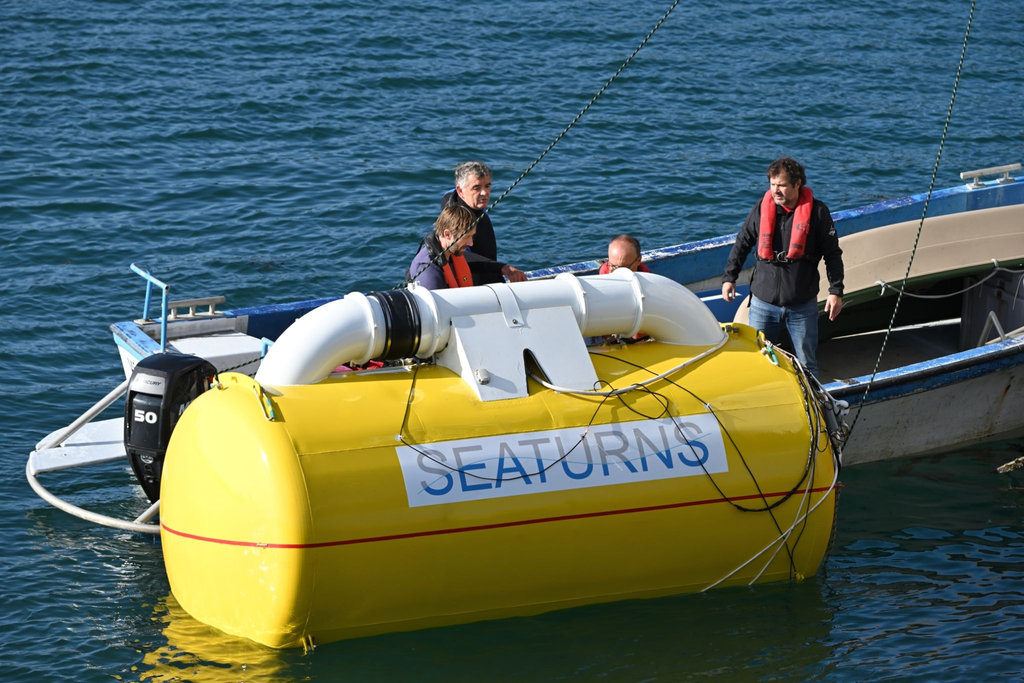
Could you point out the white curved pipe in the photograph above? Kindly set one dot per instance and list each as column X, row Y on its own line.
column 352, row 329
column 341, row 331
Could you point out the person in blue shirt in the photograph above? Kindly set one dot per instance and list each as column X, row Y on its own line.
column 440, row 261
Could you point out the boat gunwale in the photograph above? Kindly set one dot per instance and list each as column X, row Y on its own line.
column 942, row 370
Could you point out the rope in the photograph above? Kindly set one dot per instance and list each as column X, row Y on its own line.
column 256, row 359
column 920, row 225
column 995, row 269
column 551, row 146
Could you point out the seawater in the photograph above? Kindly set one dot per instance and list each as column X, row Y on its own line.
column 272, row 151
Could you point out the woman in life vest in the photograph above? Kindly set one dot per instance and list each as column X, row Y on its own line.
column 441, row 262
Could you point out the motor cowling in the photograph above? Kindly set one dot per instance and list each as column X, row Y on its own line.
column 161, row 387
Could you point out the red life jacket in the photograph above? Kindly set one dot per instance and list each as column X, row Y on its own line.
column 605, row 268
column 797, row 236
column 456, row 272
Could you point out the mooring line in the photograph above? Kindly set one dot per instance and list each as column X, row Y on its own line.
column 554, row 142
column 920, row 226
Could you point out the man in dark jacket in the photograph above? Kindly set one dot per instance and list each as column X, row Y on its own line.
column 792, row 231
column 473, row 190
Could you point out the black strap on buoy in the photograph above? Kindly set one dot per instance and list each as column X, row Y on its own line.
column 401, row 323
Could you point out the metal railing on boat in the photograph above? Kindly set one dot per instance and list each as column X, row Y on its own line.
column 975, row 176
column 54, row 453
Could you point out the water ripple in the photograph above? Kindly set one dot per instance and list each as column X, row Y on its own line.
column 286, row 150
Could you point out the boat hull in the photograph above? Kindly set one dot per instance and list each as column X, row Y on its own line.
column 300, row 518
column 952, row 402
column 963, row 393
column 972, row 210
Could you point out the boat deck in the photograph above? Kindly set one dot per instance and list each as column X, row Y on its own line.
column 855, row 355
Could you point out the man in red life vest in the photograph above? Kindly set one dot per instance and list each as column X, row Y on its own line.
column 623, row 252
column 792, row 232
column 441, row 262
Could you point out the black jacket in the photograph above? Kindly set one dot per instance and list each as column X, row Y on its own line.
column 789, row 283
column 482, row 257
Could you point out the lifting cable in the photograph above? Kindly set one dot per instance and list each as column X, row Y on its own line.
column 558, row 138
column 920, row 227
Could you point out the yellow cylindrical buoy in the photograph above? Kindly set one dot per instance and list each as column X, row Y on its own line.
column 405, row 497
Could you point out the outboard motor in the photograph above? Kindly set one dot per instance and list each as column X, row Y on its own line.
column 161, row 387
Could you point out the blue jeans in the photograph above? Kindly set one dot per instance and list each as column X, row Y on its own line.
column 801, row 321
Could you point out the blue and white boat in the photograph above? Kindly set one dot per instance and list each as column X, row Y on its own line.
column 952, row 370
column 946, row 371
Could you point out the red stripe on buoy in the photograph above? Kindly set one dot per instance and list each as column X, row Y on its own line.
column 481, row 527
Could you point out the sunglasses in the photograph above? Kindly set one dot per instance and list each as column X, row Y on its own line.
column 612, row 267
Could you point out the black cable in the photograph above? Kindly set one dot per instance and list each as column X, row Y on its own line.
column 920, row 226
column 554, row 142
column 742, row 508
column 815, row 426
column 525, row 475
column 814, row 422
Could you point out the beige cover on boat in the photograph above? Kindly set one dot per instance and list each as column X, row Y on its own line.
column 961, row 241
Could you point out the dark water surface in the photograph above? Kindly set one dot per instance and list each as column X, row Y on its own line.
column 274, row 150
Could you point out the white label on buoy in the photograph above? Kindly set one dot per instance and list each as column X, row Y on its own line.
column 561, row 459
